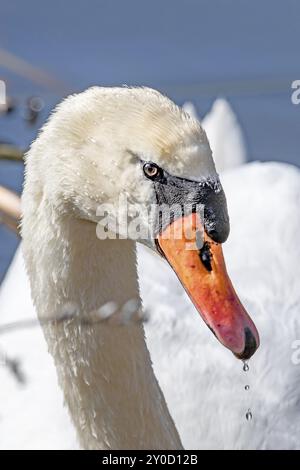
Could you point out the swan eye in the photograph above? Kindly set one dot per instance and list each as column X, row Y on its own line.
column 151, row 170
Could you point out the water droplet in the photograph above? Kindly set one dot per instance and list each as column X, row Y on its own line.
column 245, row 367
column 249, row 415
column 247, row 387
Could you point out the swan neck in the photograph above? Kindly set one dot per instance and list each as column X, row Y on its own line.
column 104, row 368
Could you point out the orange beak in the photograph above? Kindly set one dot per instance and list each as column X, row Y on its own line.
column 203, row 274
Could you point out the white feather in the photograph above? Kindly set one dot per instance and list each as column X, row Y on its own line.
column 202, row 383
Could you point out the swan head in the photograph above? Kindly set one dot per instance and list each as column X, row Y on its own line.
column 121, row 158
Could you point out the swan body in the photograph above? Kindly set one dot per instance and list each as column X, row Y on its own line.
column 224, row 134
column 180, row 344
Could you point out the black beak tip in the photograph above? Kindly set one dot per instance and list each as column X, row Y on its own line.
column 250, row 346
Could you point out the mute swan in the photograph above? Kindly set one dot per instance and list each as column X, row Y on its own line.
column 96, row 147
column 32, row 416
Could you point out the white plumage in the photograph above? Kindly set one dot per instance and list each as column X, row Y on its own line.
column 203, row 384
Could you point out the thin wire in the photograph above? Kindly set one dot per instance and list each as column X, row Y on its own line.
column 35, row 74
column 114, row 320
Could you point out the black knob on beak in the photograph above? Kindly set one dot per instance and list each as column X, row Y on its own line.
column 216, row 219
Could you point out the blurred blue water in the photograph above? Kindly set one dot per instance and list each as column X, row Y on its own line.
column 192, row 50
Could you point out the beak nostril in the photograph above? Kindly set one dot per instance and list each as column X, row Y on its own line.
column 206, row 256
column 250, row 345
